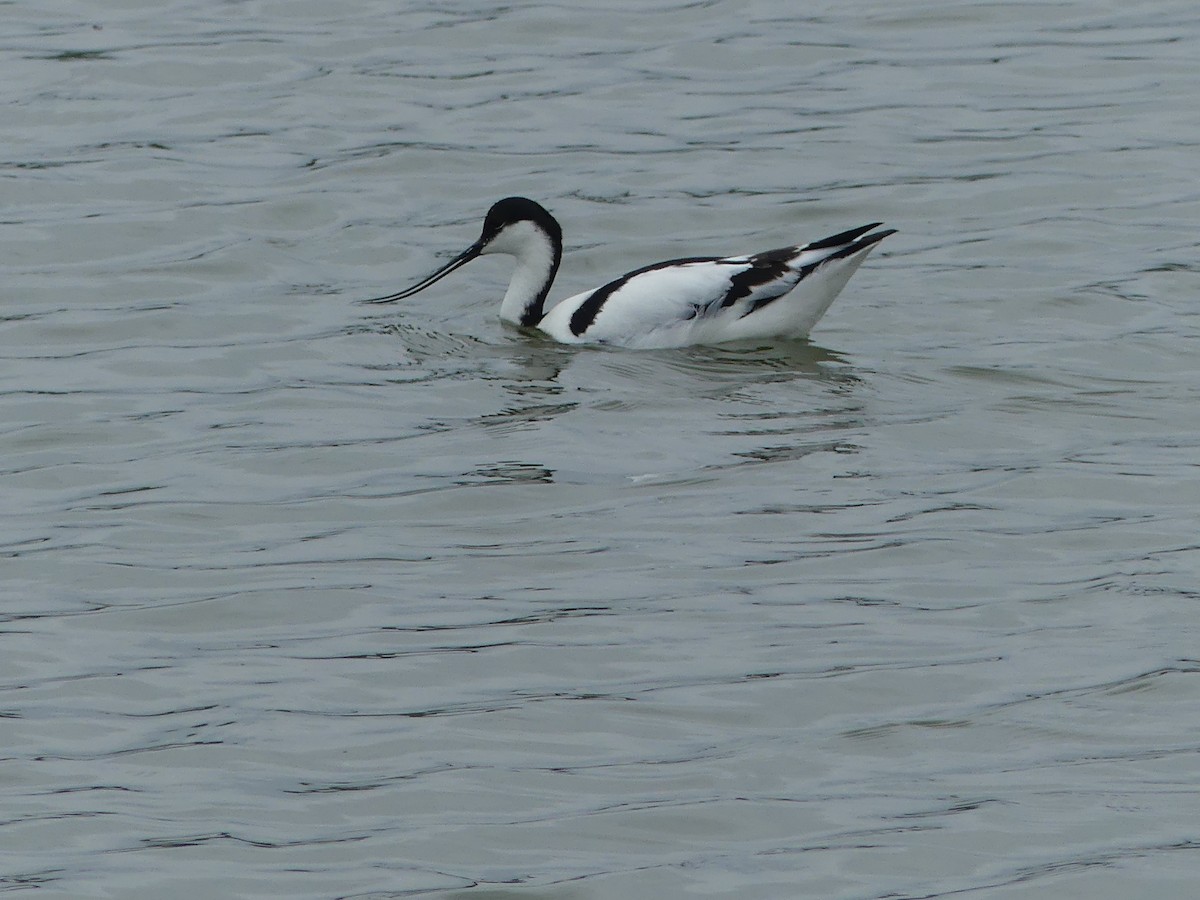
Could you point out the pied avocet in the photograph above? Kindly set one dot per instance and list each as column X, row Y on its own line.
column 698, row 300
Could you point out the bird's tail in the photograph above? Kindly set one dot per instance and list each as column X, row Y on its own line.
column 839, row 246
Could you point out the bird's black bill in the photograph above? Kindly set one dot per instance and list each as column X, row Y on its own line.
column 461, row 260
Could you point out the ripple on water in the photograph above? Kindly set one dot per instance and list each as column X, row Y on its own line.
column 306, row 600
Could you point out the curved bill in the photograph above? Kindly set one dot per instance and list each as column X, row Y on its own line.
column 461, row 260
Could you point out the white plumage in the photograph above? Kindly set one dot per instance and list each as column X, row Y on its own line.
column 700, row 300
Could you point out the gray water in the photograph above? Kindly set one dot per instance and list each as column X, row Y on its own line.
column 308, row 599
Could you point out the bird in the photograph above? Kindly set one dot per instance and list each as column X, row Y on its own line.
column 776, row 294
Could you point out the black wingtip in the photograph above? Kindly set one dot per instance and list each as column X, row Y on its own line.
column 845, row 237
column 861, row 244
column 875, row 238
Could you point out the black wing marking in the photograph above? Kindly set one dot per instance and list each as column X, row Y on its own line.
column 585, row 314
column 857, row 243
column 765, row 268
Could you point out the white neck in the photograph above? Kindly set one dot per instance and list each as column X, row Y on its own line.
column 537, row 258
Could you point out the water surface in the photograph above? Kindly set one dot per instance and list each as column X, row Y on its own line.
column 303, row 598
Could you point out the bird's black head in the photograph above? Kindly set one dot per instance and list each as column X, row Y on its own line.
column 511, row 210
